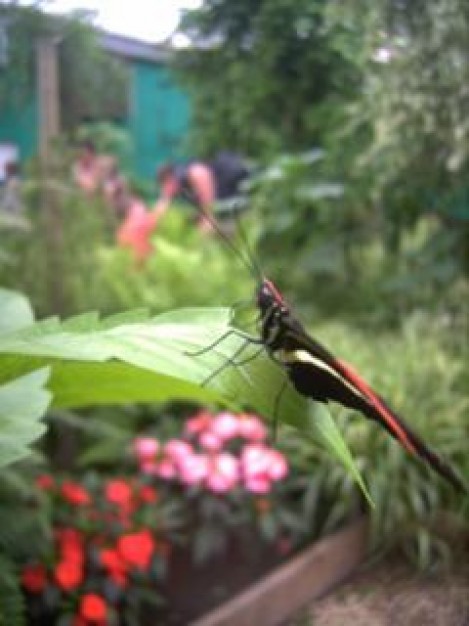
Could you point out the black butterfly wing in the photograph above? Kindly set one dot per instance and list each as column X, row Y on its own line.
column 317, row 374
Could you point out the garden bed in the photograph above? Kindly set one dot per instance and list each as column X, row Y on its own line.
column 266, row 591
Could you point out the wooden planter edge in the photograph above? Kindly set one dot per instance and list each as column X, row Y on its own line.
column 289, row 587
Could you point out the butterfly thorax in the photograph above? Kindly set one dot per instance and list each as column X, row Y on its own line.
column 277, row 324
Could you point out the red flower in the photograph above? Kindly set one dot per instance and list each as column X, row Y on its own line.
column 93, row 608
column 45, row 482
column 68, row 574
column 34, row 578
column 137, row 548
column 71, row 545
column 115, row 566
column 147, row 494
column 75, row 494
column 118, row 492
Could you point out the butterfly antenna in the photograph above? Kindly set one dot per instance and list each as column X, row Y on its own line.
column 247, row 262
column 256, row 268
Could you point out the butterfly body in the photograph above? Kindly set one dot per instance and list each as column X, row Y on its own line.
column 317, row 374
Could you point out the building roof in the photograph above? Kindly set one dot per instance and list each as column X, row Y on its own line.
column 130, row 48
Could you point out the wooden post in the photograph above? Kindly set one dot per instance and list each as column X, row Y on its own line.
column 48, row 91
column 49, row 128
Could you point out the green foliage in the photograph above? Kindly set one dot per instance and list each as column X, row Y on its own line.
column 25, row 25
column 299, row 208
column 172, row 276
column 93, row 85
column 422, row 372
column 376, row 271
column 73, row 237
column 23, row 529
column 52, row 261
column 287, row 63
column 15, row 310
column 415, row 109
column 12, row 604
column 109, row 363
column 395, row 132
column 23, row 401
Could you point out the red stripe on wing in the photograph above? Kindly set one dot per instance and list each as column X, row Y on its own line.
column 382, row 410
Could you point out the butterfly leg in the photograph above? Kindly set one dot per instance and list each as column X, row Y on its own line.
column 232, row 331
column 278, row 398
column 230, row 361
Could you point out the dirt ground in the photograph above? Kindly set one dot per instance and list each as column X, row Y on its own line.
column 392, row 594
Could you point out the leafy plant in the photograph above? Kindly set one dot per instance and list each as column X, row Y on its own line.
column 290, row 67
column 216, row 485
column 84, row 66
column 105, row 555
column 110, row 352
column 23, row 400
column 423, row 375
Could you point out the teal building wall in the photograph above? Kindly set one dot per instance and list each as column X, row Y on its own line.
column 158, row 117
column 157, row 120
column 19, row 125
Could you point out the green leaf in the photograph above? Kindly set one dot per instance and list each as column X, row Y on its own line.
column 191, row 354
column 15, row 311
column 22, row 404
column 324, row 429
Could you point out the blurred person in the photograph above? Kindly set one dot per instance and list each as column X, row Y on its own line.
column 202, row 183
column 10, row 201
column 137, row 227
column 91, row 169
column 85, row 168
column 116, row 191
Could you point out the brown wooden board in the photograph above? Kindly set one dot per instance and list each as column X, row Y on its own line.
column 292, row 585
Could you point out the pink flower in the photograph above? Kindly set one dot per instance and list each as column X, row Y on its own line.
column 255, row 460
column 199, row 423
column 251, row 427
column 146, row 448
column 224, row 473
column 278, row 466
column 225, row 426
column 261, row 466
column 177, row 449
column 193, row 469
column 210, row 441
column 258, row 484
column 165, row 469
column 149, row 467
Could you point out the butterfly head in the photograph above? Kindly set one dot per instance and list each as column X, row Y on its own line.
column 269, row 298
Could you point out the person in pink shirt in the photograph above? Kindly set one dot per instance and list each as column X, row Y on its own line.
column 91, row 169
column 136, row 229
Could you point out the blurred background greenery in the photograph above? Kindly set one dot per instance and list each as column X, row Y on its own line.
column 357, row 116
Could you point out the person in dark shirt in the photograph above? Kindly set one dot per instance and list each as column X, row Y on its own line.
column 202, row 183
